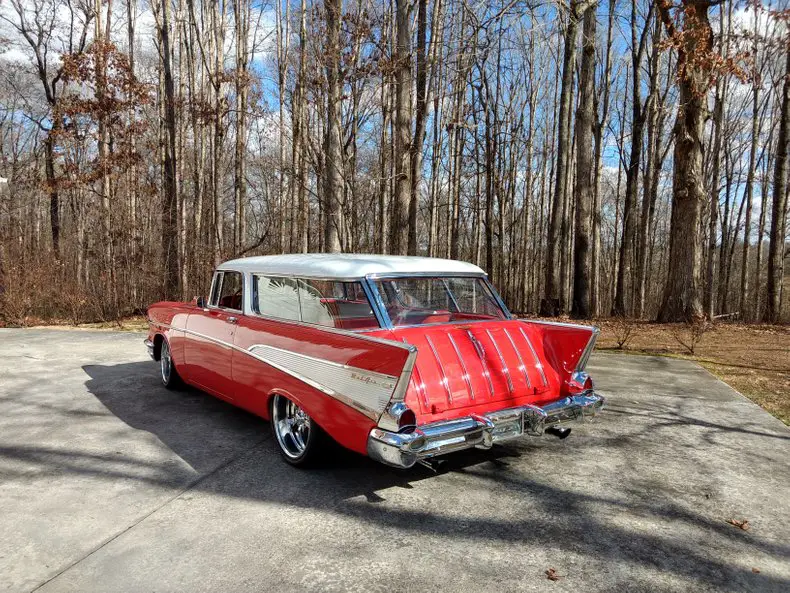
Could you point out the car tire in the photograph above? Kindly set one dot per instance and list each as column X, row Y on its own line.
column 298, row 436
column 167, row 368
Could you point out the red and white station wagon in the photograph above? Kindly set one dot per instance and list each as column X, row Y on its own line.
column 398, row 358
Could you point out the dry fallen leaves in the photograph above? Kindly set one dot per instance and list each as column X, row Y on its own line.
column 756, row 570
column 553, row 575
column 741, row 524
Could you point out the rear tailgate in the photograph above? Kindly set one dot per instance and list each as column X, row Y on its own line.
column 490, row 365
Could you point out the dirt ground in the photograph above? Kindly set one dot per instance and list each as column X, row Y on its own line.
column 753, row 359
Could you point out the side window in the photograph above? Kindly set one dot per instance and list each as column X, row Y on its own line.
column 276, row 297
column 215, row 286
column 230, row 291
column 342, row 305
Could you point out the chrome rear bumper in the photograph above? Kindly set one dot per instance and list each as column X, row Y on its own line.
column 405, row 449
column 149, row 345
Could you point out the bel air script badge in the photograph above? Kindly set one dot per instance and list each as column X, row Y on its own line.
column 370, row 380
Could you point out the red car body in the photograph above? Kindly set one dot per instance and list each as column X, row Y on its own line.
column 399, row 392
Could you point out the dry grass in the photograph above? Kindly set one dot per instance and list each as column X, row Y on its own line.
column 754, row 359
column 130, row 324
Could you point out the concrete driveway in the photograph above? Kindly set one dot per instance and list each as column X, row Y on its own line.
column 108, row 482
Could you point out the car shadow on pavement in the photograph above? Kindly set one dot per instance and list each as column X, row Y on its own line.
column 233, row 455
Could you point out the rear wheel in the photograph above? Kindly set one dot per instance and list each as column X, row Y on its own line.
column 168, row 372
column 298, row 436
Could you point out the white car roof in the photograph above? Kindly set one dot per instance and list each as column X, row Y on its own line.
column 348, row 265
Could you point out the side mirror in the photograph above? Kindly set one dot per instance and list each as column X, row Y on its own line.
column 199, row 301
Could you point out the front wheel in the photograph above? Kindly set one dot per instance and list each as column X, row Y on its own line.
column 168, row 372
column 298, row 436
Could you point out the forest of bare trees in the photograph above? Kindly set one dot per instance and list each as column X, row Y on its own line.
column 596, row 157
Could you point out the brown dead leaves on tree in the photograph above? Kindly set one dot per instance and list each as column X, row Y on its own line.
column 99, row 86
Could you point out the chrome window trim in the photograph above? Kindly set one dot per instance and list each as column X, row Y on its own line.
column 365, row 289
column 385, row 275
column 221, row 273
column 387, row 322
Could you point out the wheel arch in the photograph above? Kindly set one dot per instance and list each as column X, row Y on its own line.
column 344, row 424
column 158, row 339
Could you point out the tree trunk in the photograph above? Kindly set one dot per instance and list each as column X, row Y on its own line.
column 582, row 254
column 621, row 305
column 403, row 228
column 682, row 300
column 298, row 115
column 333, row 166
column 52, row 188
column 776, row 245
column 241, row 19
column 169, row 209
column 550, row 305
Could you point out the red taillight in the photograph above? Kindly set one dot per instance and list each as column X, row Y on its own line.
column 407, row 420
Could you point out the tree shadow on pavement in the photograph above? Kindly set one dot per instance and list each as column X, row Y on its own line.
column 233, row 456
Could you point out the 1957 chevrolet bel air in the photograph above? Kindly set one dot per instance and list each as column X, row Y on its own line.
column 399, row 358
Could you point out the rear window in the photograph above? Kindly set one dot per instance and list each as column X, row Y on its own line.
column 442, row 299
column 342, row 305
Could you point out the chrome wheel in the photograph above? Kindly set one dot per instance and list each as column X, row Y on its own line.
column 165, row 363
column 292, row 426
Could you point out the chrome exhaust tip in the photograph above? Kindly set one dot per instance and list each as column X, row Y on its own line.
column 559, row 432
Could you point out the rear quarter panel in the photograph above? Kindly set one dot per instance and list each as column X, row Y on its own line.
column 257, row 382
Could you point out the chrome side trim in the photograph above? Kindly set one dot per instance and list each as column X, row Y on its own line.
column 587, row 350
column 538, row 364
column 418, row 384
column 370, row 406
column 505, row 370
column 404, row 450
column 444, row 380
column 394, row 408
column 558, row 323
column 522, row 366
column 481, row 353
column 463, row 367
column 421, row 388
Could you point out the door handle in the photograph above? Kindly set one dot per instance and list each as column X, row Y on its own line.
column 233, row 319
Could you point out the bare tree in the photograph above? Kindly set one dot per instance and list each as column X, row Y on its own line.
column 682, row 299
column 584, row 170
column 776, row 246
column 333, row 165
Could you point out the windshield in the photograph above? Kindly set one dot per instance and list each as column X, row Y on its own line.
column 441, row 299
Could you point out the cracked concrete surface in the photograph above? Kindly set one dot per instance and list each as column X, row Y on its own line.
column 108, row 482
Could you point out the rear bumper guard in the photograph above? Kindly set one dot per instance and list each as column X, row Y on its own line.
column 149, row 345
column 405, row 449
